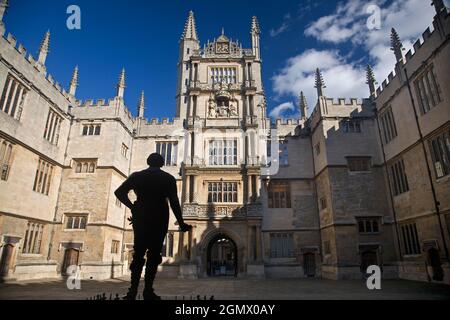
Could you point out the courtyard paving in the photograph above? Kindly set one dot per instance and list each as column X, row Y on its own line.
column 230, row 289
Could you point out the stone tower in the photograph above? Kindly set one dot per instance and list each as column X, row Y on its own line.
column 189, row 44
column 220, row 96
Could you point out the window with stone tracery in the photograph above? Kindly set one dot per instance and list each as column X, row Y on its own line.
column 222, row 192
column 85, row 166
column 12, row 97
column 91, row 129
column 279, row 194
column 168, row 150
column 223, row 74
column 223, row 152
column 76, row 222
column 6, row 149
column 52, row 127
column 281, row 245
column 43, row 177
column 33, row 238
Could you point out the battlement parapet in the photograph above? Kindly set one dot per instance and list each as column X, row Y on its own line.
column 422, row 47
column 35, row 71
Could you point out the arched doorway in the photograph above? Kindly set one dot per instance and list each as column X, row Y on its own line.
column 222, row 257
column 70, row 258
column 435, row 262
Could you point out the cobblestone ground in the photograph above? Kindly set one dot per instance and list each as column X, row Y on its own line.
column 240, row 289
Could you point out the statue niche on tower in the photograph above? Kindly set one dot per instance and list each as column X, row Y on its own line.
column 222, row 104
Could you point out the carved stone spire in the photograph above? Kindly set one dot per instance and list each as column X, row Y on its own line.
column 121, row 84
column 3, row 7
column 141, row 106
column 190, row 30
column 319, row 83
column 370, row 80
column 44, row 48
column 396, row 45
column 74, row 82
column 439, row 6
column 255, row 25
column 255, row 33
column 303, row 105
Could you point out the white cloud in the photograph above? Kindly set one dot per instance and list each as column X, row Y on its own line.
column 344, row 77
column 341, row 78
column 348, row 23
column 279, row 110
column 283, row 28
column 343, row 24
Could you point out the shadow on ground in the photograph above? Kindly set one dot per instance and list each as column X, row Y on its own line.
column 231, row 289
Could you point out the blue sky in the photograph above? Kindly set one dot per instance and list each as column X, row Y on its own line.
column 143, row 36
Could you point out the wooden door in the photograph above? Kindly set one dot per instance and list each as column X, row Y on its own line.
column 70, row 259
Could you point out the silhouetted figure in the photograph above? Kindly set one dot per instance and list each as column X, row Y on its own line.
column 150, row 220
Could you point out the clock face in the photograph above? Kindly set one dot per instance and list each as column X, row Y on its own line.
column 222, row 48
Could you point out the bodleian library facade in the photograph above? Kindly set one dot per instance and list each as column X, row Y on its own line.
column 348, row 184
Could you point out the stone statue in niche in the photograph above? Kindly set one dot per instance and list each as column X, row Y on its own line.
column 212, row 106
column 232, row 110
column 223, row 108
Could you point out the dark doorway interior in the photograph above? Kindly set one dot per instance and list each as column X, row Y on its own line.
column 5, row 261
column 435, row 262
column 368, row 258
column 222, row 257
column 309, row 264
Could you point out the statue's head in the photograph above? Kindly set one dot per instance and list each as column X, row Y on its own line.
column 155, row 160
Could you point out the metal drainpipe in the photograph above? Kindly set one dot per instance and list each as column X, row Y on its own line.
column 389, row 184
column 52, row 234
column 122, row 253
column 433, row 191
column 317, row 203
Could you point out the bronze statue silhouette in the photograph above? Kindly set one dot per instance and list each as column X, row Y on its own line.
column 150, row 220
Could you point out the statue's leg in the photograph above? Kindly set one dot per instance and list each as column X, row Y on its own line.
column 136, row 267
column 151, row 268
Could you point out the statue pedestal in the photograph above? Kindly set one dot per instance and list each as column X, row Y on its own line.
column 256, row 270
column 188, row 270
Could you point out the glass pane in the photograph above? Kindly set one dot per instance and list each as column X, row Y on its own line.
column 169, row 154
column 69, row 224
column 361, row 226
column 83, row 223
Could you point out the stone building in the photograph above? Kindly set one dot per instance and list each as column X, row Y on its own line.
column 413, row 113
column 307, row 197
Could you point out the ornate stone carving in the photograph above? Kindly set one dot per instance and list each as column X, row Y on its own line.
column 233, row 112
column 222, row 47
column 213, row 211
column 212, row 108
column 222, row 104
